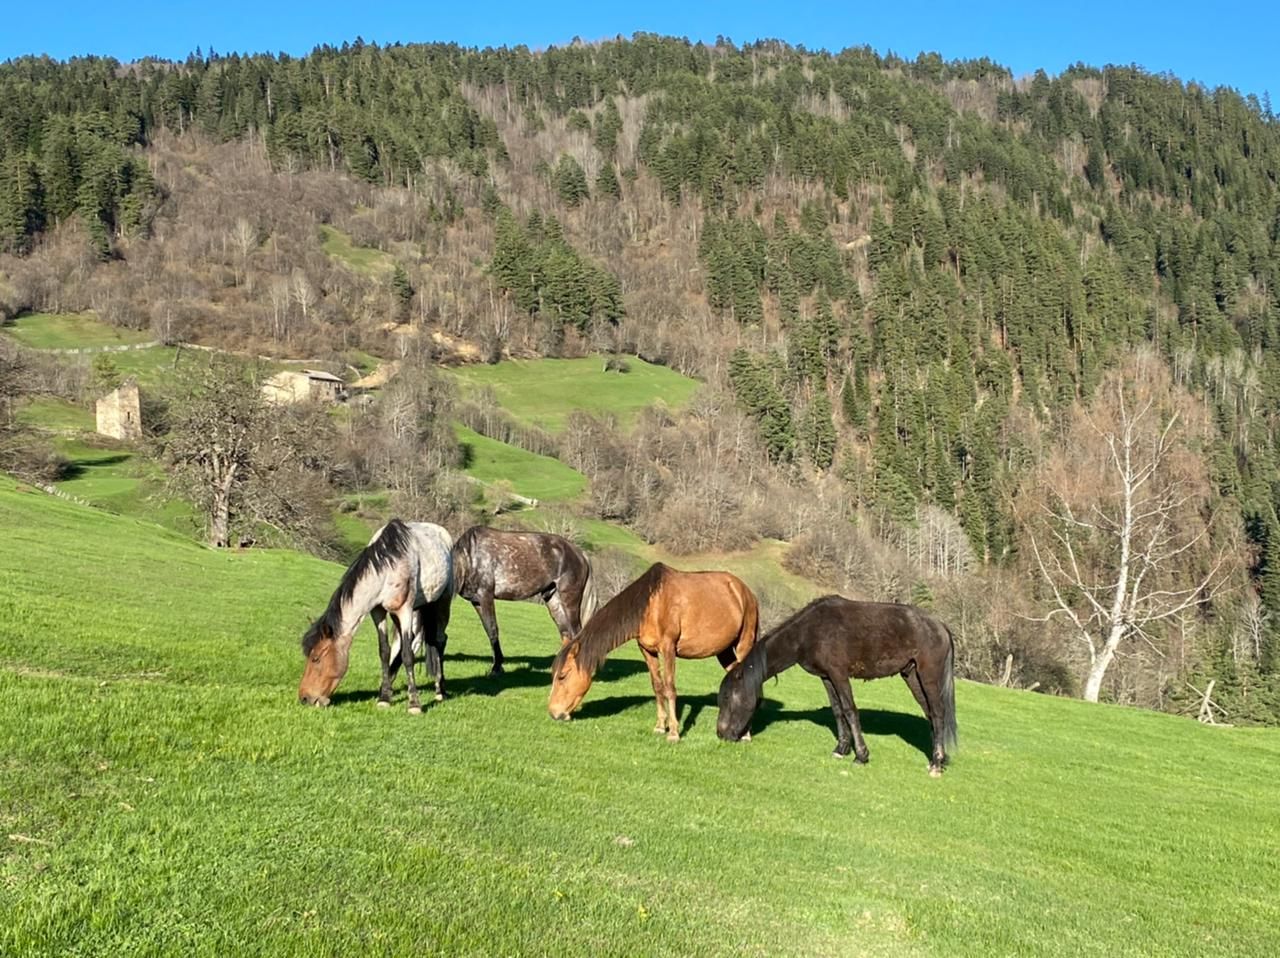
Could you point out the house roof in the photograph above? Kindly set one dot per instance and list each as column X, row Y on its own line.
column 322, row 375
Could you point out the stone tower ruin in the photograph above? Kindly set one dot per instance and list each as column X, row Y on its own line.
column 120, row 413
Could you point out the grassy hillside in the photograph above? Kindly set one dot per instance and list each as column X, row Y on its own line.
column 530, row 475
column 162, row 792
column 70, row 331
column 543, row 392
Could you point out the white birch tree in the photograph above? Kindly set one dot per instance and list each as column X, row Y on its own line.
column 1119, row 518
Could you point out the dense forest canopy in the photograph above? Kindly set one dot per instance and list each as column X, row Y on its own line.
column 910, row 274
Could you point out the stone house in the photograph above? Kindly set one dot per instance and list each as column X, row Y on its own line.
column 292, row 386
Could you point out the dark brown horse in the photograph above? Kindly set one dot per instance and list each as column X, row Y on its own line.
column 835, row 638
column 690, row 615
column 490, row 564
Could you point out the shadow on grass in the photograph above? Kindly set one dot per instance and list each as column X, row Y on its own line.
column 522, row 672
column 912, row 729
column 76, row 468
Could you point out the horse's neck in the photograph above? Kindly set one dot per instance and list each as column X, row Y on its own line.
column 364, row 597
column 780, row 656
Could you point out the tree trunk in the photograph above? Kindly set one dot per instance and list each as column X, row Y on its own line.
column 220, row 511
column 1098, row 667
column 220, row 520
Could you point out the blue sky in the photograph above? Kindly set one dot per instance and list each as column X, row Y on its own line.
column 1229, row 43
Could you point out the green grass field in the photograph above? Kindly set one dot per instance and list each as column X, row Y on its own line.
column 70, row 331
column 162, row 792
column 530, row 475
column 56, row 415
column 542, row 392
column 362, row 259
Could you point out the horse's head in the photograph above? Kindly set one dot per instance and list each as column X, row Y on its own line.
column 326, row 665
column 569, row 683
column 739, row 697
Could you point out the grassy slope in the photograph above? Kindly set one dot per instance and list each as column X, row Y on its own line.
column 70, row 331
column 161, row 792
column 543, row 392
column 362, row 259
column 537, row 477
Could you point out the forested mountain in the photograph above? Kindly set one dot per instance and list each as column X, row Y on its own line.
column 927, row 285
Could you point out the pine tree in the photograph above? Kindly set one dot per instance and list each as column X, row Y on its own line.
column 607, row 182
column 818, row 431
column 570, row 181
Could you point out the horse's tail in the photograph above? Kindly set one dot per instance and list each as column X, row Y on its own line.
column 948, row 684
column 590, row 600
column 749, row 633
column 461, row 562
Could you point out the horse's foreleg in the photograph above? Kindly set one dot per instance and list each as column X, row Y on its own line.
column 669, row 685
column 844, row 735
column 379, row 616
column 651, row 660
column 489, row 618
column 845, row 693
column 938, row 756
column 405, row 619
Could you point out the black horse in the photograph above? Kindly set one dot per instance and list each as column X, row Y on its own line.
column 490, row 564
column 835, row 638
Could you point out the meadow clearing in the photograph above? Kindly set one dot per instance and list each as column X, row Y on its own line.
column 162, row 792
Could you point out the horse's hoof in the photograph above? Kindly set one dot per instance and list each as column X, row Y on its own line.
column 415, row 709
column 497, row 670
column 673, row 736
column 659, row 730
column 862, row 759
column 439, row 696
column 384, row 703
column 838, row 754
column 746, row 737
column 935, row 772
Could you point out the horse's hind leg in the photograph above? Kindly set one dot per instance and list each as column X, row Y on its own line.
column 844, row 735
column 379, row 616
column 438, row 639
column 938, row 757
column 489, row 618
column 844, row 692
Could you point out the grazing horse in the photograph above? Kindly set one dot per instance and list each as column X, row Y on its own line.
column 404, row 572
column 490, row 564
column 835, row 638
column 691, row 615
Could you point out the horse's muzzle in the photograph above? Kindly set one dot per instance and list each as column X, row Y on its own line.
column 318, row 701
column 559, row 716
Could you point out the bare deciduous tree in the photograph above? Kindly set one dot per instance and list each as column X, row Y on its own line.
column 245, row 463
column 304, row 293
column 1119, row 521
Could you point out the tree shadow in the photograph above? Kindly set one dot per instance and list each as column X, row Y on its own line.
column 76, row 468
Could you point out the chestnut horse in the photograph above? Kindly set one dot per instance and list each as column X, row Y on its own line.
column 491, row 564
column 835, row 638
column 690, row 615
column 405, row 571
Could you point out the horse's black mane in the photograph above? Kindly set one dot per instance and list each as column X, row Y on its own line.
column 616, row 622
column 392, row 544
